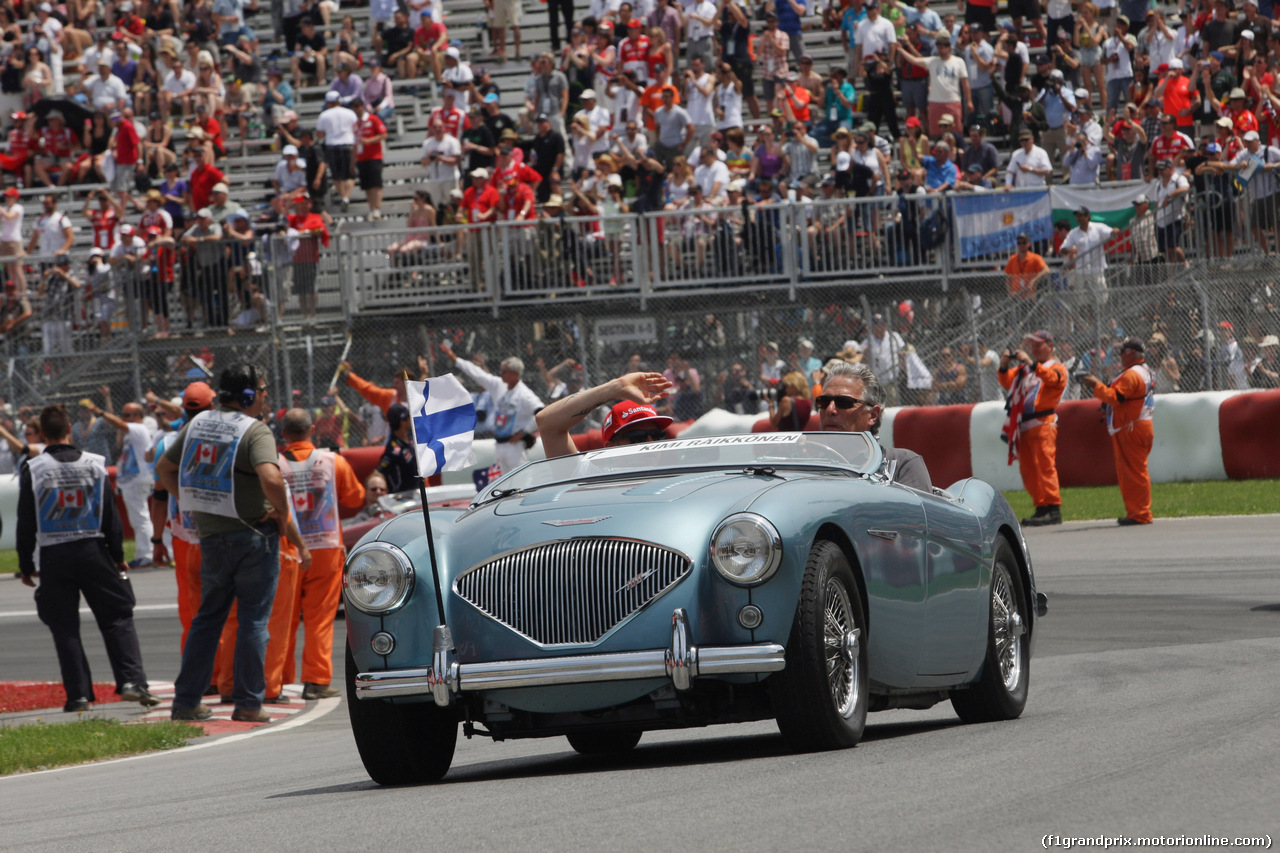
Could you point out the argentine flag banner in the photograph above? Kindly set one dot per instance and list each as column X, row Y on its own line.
column 989, row 223
column 444, row 424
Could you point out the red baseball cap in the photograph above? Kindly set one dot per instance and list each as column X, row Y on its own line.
column 634, row 22
column 630, row 415
column 12, row 192
column 197, row 396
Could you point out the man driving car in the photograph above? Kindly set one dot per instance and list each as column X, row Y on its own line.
column 851, row 401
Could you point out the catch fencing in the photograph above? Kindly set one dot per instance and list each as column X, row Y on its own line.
column 710, row 285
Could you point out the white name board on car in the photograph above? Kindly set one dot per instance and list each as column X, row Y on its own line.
column 706, row 441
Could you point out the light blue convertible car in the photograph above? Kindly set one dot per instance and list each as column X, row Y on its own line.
column 686, row 583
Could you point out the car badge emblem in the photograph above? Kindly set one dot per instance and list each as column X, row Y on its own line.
column 570, row 522
column 634, row 581
column 884, row 534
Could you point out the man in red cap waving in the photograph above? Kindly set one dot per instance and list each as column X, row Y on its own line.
column 630, row 421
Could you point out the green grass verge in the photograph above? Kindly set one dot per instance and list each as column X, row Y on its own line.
column 39, row 746
column 9, row 559
column 1168, row 500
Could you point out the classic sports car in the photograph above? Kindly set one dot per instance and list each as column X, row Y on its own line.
column 684, row 583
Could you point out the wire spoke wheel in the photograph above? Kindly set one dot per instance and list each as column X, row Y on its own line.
column 820, row 698
column 842, row 668
column 1000, row 693
column 1007, row 627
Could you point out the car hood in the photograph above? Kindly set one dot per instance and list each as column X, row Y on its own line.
column 676, row 510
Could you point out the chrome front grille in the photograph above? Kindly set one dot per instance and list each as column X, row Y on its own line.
column 573, row 592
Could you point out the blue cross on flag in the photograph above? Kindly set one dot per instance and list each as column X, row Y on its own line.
column 444, row 424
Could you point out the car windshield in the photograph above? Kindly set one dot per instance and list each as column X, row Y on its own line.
column 855, row 452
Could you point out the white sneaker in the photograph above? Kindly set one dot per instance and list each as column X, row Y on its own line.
column 375, row 215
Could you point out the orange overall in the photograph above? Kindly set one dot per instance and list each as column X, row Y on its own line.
column 186, row 565
column 318, row 594
column 1039, row 388
column 1130, row 402
column 282, row 618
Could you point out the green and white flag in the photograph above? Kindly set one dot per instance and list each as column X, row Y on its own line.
column 1109, row 205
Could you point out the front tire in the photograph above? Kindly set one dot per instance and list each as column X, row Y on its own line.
column 400, row 744
column 1001, row 692
column 610, row 742
column 820, row 698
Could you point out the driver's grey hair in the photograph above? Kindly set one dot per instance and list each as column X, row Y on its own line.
column 872, row 390
column 513, row 364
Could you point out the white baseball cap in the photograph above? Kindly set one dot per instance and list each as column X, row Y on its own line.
column 453, row 53
column 1175, row 64
column 290, row 151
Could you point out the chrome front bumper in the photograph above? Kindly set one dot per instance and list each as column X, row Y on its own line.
column 681, row 662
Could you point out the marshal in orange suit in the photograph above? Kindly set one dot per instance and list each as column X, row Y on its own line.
column 1130, row 402
column 1035, row 381
column 320, row 481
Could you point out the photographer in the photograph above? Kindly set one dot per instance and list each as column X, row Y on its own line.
column 789, row 405
column 1083, row 161
column 441, row 153
column 685, row 403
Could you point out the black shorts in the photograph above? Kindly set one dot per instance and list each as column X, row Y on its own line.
column 1029, row 9
column 304, row 279
column 1169, row 237
column 370, row 172
column 982, row 15
column 156, row 292
column 339, row 159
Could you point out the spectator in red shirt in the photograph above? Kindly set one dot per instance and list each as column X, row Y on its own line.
column 212, row 129
column 126, row 145
column 455, row 120
column 309, row 230
column 370, row 134
column 429, row 44
column 105, row 218
column 480, row 205
column 480, row 201
column 58, row 143
column 203, row 178
column 22, row 141
column 1177, row 96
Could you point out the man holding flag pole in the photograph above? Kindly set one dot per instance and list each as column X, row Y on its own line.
column 514, row 403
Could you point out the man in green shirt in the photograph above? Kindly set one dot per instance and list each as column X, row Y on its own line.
column 225, row 469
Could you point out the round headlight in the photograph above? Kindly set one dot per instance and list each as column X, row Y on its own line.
column 746, row 549
column 378, row 578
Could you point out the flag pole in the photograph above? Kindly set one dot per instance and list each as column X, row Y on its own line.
column 431, row 540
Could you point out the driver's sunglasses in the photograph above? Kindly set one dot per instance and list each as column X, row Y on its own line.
column 639, row 436
column 842, row 401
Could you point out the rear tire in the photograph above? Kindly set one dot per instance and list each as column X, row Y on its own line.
column 820, row 698
column 400, row 744
column 1001, row 692
column 611, row 742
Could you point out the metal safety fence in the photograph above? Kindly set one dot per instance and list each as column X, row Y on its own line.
column 581, row 300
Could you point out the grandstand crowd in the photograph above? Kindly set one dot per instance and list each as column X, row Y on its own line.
column 167, row 138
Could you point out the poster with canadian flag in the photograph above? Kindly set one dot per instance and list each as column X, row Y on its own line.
column 69, row 507
column 205, row 475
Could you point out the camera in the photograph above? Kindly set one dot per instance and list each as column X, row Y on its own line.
column 1079, row 374
column 769, row 394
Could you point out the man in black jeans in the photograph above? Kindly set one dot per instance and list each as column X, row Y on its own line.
column 66, row 510
column 565, row 8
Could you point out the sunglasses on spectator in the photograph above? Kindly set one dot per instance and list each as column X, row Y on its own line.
column 842, row 401
column 639, row 436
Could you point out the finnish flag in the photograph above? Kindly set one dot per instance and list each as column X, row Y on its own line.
column 444, row 424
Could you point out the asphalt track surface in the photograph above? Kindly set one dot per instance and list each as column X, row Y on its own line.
column 1153, row 711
